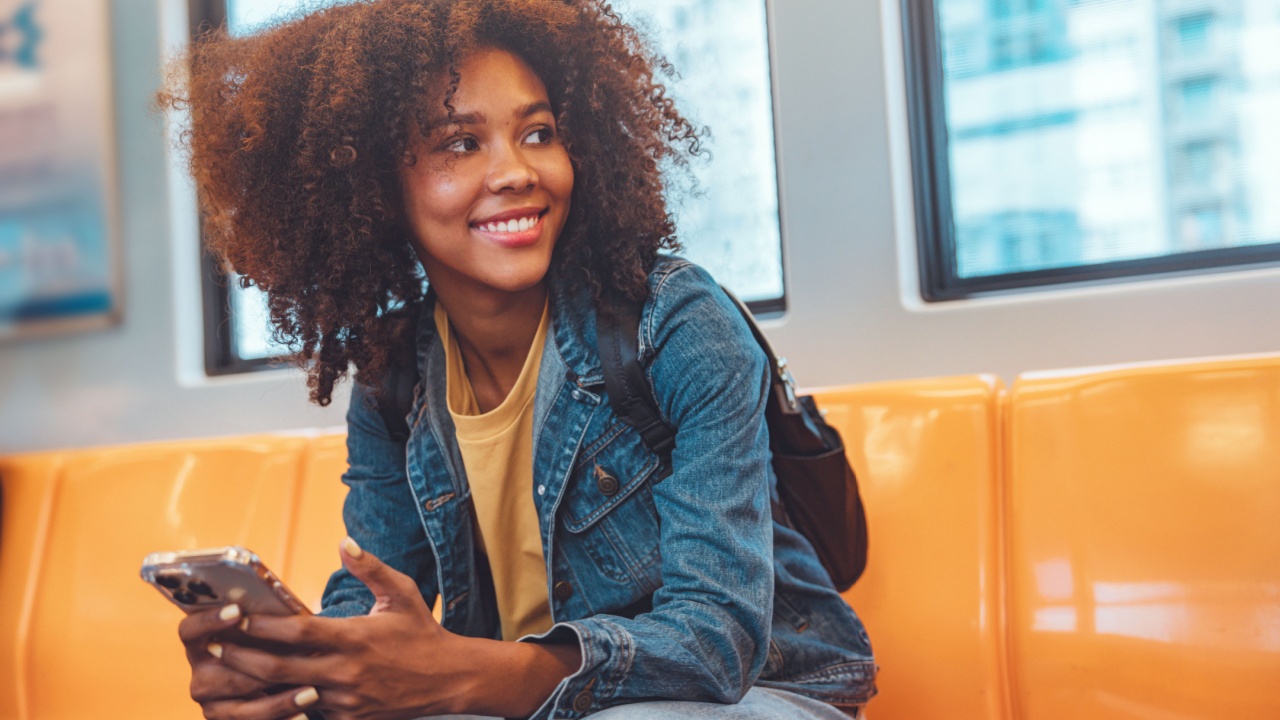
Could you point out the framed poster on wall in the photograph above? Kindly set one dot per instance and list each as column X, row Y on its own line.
column 59, row 260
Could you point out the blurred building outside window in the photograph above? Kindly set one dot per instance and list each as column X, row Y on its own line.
column 731, row 224
column 1086, row 132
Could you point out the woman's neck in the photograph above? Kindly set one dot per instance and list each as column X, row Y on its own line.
column 494, row 334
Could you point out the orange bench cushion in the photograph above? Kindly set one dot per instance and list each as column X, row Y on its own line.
column 94, row 640
column 926, row 456
column 1144, row 554
column 27, row 503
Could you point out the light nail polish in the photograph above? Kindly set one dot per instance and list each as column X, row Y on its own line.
column 215, row 650
column 244, row 625
column 306, row 697
column 353, row 549
column 230, row 612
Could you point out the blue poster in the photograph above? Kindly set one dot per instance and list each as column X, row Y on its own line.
column 58, row 264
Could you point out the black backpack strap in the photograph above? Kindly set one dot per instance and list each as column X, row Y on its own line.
column 617, row 337
column 395, row 399
column 395, row 390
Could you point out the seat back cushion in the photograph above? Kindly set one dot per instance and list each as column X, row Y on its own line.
column 925, row 453
column 102, row 642
column 26, row 495
column 1144, row 556
column 313, row 547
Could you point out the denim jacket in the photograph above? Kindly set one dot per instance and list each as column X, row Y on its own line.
column 675, row 586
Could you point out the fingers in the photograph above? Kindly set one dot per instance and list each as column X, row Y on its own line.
column 196, row 628
column 392, row 589
column 288, row 704
column 211, row 681
column 278, row 669
column 297, row 631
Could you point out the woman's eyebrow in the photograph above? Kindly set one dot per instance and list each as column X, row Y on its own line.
column 536, row 106
column 479, row 118
column 442, row 121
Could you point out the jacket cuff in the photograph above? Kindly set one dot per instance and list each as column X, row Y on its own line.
column 345, row 608
column 607, row 654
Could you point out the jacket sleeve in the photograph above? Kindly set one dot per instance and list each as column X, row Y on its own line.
column 707, row 637
column 379, row 511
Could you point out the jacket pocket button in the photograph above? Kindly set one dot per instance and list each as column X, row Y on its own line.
column 607, row 483
column 582, row 701
column 562, row 590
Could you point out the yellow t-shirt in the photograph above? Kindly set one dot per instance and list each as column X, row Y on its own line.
column 497, row 452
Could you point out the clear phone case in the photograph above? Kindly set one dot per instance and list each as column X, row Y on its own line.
column 196, row 580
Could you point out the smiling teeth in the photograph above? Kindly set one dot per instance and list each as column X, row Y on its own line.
column 511, row 225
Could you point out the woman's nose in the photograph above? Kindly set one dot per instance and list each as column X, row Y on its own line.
column 511, row 171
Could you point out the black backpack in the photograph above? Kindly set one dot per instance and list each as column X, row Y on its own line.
column 817, row 486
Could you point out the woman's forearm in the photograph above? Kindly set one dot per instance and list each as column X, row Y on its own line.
column 513, row 679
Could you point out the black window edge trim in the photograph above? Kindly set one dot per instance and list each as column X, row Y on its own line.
column 221, row 356
column 204, row 15
column 927, row 131
column 777, row 306
column 1243, row 257
column 931, row 182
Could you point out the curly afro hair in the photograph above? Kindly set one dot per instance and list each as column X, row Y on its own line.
column 297, row 133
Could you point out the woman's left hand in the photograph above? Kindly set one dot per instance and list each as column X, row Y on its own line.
column 396, row 662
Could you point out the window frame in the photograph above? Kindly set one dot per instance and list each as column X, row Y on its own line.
column 934, row 219
column 221, row 357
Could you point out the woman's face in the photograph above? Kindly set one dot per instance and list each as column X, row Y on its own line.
column 489, row 193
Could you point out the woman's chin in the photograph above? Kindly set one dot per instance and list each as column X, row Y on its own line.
column 516, row 280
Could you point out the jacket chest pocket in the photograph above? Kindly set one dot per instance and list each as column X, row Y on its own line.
column 609, row 509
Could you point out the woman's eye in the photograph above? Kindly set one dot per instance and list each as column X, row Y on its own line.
column 462, row 145
column 541, row 136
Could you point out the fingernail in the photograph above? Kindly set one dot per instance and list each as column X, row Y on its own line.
column 230, row 612
column 215, row 650
column 300, row 716
column 244, row 625
column 352, row 548
column 306, row 697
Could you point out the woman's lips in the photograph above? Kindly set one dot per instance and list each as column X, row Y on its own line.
column 512, row 238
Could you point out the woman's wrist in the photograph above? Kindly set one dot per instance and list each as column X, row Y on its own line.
column 514, row 679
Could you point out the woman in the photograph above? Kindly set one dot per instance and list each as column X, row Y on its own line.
column 510, row 153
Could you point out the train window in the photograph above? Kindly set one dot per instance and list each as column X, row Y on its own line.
column 1068, row 140
column 729, row 224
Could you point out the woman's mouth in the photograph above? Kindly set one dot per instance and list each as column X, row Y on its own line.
column 514, row 232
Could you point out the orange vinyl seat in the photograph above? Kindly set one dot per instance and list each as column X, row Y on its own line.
column 318, row 528
column 926, row 456
column 1144, row 542
column 90, row 638
column 26, row 499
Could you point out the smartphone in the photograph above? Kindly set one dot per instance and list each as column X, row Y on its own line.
column 196, row 580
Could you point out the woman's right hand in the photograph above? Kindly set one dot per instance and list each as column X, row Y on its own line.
column 221, row 691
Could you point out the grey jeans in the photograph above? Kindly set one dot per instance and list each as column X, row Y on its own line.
column 758, row 704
